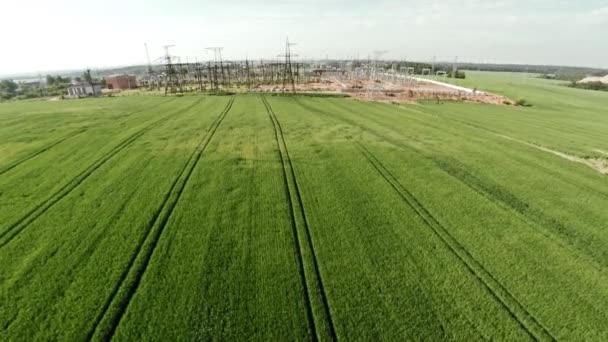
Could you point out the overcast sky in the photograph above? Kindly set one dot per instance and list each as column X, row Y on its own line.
column 46, row 35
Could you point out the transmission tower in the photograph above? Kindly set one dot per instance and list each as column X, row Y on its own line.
column 247, row 73
column 288, row 69
column 217, row 57
column 172, row 84
column 373, row 71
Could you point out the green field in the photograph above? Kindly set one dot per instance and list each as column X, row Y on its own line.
column 300, row 218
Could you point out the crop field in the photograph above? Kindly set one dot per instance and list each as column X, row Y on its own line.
column 259, row 217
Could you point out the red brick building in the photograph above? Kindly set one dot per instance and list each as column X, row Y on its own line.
column 121, row 82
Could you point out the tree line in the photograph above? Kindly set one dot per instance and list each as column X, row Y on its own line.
column 54, row 86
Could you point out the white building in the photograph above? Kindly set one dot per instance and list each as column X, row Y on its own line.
column 83, row 89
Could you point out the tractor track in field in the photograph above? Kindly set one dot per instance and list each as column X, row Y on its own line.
column 287, row 163
column 516, row 310
column 113, row 310
column 39, row 152
column 12, row 231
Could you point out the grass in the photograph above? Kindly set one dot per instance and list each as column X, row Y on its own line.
column 294, row 218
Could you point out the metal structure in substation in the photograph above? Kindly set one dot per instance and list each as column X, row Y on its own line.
column 288, row 73
column 374, row 70
column 219, row 75
column 172, row 73
column 368, row 76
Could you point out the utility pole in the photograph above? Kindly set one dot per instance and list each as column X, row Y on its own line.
column 148, row 60
column 288, row 69
column 40, row 87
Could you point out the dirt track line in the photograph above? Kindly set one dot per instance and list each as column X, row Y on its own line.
column 17, row 227
column 596, row 164
column 278, row 130
column 525, row 319
column 117, row 303
column 39, row 152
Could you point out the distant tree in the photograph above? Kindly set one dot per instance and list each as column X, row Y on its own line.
column 523, row 103
column 26, row 91
column 50, row 80
column 457, row 74
column 8, row 89
column 589, row 85
column 87, row 77
column 56, row 85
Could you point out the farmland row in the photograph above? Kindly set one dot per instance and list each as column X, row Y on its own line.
column 571, row 234
column 477, row 223
column 527, row 321
column 566, row 234
column 117, row 303
column 49, row 172
column 319, row 314
column 226, row 265
column 38, row 125
column 579, row 234
column 298, row 218
column 85, row 253
column 564, row 119
column 400, row 277
column 11, row 231
column 38, row 152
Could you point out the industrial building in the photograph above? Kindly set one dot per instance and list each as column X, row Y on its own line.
column 81, row 89
column 121, row 82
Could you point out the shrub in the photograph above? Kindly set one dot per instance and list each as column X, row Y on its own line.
column 589, row 85
column 523, row 103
